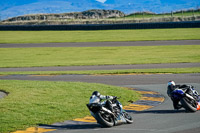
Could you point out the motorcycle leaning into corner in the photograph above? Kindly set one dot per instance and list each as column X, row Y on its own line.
column 108, row 117
column 184, row 96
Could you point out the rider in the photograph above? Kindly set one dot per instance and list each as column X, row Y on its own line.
column 172, row 86
column 97, row 98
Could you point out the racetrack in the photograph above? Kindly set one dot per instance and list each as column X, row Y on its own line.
column 159, row 119
column 104, row 44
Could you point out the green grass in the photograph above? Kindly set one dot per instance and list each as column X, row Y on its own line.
column 32, row 57
column 124, row 71
column 30, row 103
column 98, row 36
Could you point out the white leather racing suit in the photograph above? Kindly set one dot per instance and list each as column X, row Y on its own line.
column 98, row 99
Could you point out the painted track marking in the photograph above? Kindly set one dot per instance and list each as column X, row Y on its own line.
column 35, row 130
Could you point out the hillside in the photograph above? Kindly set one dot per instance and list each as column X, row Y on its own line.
column 13, row 8
column 89, row 14
column 97, row 16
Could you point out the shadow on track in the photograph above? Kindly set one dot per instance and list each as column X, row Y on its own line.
column 159, row 111
column 80, row 126
column 75, row 125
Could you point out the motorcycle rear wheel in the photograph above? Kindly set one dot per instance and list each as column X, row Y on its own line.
column 187, row 105
column 104, row 119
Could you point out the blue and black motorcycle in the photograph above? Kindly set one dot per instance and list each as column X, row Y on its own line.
column 189, row 98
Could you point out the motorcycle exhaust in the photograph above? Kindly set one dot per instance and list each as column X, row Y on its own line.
column 107, row 110
column 187, row 95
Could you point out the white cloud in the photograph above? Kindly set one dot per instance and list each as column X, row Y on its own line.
column 102, row 1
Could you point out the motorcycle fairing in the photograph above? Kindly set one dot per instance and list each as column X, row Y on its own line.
column 178, row 93
column 120, row 120
column 198, row 106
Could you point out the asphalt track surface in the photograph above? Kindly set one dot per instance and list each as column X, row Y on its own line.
column 160, row 119
column 103, row 67
column 104, row 44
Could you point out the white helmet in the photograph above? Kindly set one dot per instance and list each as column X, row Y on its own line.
column 171, row 83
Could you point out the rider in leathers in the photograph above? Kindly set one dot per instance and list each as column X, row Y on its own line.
column 97, row 98
column 171, row 87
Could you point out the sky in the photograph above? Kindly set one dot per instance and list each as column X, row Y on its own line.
column 102, row 1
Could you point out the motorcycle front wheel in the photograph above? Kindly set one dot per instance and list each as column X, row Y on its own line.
column 188, row 104
column 128, row 118
column 105, row 119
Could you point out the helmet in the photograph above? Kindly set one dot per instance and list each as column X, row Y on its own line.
column 171, row 83
column 96, row 93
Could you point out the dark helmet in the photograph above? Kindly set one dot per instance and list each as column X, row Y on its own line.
column 96, row 93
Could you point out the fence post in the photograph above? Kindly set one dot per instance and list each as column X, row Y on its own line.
column 143, row 15
column 124, row 19
column 182, row 13
column 193, row 13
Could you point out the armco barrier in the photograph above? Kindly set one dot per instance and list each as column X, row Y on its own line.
column 188, row 24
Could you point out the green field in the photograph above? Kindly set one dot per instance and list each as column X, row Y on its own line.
column 32, row 57
column 98, row 36
column 30, row 103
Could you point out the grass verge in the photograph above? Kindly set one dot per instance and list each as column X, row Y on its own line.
column 102, row 72
column 33, row 57
column 30, row 103
column 98, row 36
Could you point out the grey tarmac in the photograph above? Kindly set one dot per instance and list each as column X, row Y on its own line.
column 103, row 44
column 118, row 80
column 103, row 67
